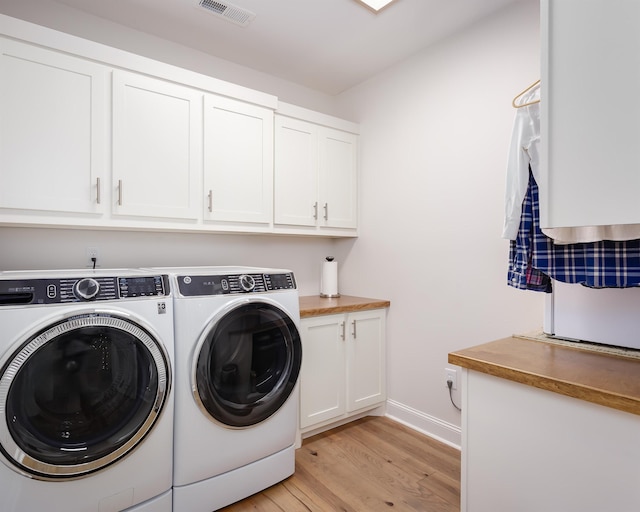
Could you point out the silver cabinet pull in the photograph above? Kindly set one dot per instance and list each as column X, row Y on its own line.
column 326, row 211
column 119, row 192
column 354, row 329
column 98, row 190
column 315, row 210
column 210, row 196
column 342, row 326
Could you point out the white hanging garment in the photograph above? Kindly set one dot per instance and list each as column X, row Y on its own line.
column 523, row 153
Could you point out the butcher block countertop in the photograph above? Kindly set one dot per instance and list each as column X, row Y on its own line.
column 605, row 379
column 314, row 305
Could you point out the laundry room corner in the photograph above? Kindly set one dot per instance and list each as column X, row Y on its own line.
column 435, row 132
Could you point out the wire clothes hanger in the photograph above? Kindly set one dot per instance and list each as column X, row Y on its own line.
column 530, row 88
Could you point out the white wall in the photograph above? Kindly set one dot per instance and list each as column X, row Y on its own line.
column 435, row 131
column 36, row 248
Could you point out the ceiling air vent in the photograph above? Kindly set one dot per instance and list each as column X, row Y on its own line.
column 228, row 11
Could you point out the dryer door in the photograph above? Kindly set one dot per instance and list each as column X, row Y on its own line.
column 80, row 394
column 247, row 364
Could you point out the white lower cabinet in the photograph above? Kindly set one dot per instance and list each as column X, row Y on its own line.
column 530, row 450
column 343, row 366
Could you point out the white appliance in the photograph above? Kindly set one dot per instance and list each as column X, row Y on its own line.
column 610, row 316
column 86, row 409
column 238, row 356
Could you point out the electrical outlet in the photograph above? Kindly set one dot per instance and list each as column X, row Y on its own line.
column 92, row 252
column 451, row 374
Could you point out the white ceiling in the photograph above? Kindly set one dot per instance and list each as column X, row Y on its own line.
column 326, row 45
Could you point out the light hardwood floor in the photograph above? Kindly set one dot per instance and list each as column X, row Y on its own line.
column 373, row 464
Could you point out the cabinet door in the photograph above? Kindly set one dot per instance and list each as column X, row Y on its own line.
column 338, row 178
column 322, row 376
column 553, row 440
column 53, row 114
column 296, row 172
column 589, row 116
column 366, row 375
column 238, row 161
column 157, row 138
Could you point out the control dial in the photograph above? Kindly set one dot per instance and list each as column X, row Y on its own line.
column 247, row 283
column 86, row 288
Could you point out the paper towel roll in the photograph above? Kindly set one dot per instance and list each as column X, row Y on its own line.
column 329, row 280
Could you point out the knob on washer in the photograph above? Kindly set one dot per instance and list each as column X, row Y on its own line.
column 247, row 283
column 86, row 288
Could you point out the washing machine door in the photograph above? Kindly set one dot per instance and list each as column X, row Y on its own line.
column 80, row 394
column 247, row 364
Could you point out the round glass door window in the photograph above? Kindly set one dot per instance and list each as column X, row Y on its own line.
column 248, row 364
column 80, row 394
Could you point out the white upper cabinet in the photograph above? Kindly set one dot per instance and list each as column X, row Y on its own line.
column 315, row 175
column 238, row 161
column 53, row 133
column 296, row 172
column 589, row 113
column 94, row 137
column 157, row 137
column 338, row 171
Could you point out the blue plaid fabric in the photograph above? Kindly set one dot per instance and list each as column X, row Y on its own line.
column 521, row 274
column 534, row 258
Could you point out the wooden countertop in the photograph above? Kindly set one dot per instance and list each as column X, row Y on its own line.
column 609, row 380
column 314, row 305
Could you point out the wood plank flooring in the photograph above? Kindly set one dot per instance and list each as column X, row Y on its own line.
column 373, row 464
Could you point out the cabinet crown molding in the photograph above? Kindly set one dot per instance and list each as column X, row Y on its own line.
column 53, row 39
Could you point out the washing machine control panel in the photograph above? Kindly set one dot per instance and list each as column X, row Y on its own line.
column 80, row 289
column 228, row 284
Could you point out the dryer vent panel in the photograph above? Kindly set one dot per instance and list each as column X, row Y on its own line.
column 227, row 11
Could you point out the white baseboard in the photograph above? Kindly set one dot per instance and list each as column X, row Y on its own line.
column 431, row 426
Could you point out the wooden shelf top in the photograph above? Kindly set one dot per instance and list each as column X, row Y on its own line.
column 604, row 379
column 314, row 305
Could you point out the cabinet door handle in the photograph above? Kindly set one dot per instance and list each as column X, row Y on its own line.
column 210, row 197
column 326, row 211
column 353, row 333
column 342, row 326
column 315, row 210
column 119, row 192
column 98, row 190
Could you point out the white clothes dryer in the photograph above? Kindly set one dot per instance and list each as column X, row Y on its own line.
column 86, row 408
column 238, row 356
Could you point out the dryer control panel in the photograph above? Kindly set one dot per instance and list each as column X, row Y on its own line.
column 227, row 284
column 80, row 289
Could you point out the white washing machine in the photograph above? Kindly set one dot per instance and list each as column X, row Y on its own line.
column 86, row 408
column 238, row 356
